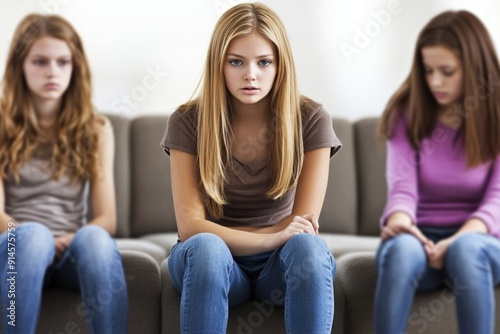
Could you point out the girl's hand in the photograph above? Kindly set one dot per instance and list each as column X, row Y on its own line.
column 394, row 228
column 300, row 224
column 62, row 243
column 437, row 255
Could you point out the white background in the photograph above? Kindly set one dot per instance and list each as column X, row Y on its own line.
column 126, row 40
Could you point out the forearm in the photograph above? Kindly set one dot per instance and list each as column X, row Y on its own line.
column 400, row 217
column 239, row 241
column 472, row 225
column 107, row 223
column 4, row 221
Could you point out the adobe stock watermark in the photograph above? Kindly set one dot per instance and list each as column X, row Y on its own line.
column 437, row 306
column 364, row 35
column 153, row 78
column 52, row 6
column 222, row 6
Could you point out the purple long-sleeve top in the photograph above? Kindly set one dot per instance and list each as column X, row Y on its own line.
column 434, row 186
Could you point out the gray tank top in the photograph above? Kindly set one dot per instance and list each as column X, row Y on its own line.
column 61, row 205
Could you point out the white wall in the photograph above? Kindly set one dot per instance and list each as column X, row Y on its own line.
column 126, row 40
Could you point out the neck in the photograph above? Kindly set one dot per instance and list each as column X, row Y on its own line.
column 450, row 116
column 251, row 113
column 46, row 111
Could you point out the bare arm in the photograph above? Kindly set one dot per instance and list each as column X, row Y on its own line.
column 4, row 217
column 190, row 212
column 310, row 192
column 103, row 189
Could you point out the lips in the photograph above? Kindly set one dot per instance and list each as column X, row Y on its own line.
column 51, row 85
column 249, row 90
column 440, row 95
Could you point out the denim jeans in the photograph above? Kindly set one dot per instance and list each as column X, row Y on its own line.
column 471, row 269
column 91, row 264
column 298, row 276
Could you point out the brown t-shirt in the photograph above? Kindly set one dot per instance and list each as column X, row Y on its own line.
column 247, row 184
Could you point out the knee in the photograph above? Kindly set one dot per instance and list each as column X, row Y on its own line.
column 403, row 252
column 308, row 252
column 34, row 240
column 92, row 236
column 463, row 252
column 206, row 251
column 95, row 242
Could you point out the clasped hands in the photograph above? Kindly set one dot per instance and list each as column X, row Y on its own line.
column 436, row 252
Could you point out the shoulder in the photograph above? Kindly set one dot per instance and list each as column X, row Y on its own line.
column 311, row 110
column 103, row 126
column 181, row 131
column 186, row 114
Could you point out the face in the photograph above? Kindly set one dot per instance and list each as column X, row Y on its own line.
column 250, row 68
column 47, row 68
column 444, row 74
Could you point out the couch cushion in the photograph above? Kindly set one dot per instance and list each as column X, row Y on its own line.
column 339, row 212
column 341, row 244
column 152, row 209
column 432, row 312
column 155, row 251
column 372, row 187
column 163, row 240
column 61, row 310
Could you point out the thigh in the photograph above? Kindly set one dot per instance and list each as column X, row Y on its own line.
column 207, row 250
column 270, row 286
column 473, row 251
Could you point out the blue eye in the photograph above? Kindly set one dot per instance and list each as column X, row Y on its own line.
column 63, row 62
column 264, row 62
column 235, row 62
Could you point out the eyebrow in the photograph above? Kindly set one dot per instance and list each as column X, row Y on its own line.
column 42, row 56
column 240, row 56
column 443, row 66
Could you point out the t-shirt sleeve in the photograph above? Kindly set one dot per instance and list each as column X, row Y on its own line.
column 318, row 131
column 180, row 133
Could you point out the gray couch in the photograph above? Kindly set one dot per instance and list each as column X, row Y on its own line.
column 349, row 223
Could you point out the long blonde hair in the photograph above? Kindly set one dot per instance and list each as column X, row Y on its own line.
column 464, row 34
column 214, row 109
column 76, row 142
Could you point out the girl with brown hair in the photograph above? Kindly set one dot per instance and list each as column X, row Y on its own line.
column 442, row 219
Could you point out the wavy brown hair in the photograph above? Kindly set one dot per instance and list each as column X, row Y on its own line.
column 214, row 109
column 464, row 34
column 76, row 131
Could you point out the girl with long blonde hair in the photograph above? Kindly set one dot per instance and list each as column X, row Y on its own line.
column 249, row 162
column 54, row 147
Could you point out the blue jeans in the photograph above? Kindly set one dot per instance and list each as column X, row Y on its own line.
column 298, row 276
column 471, row 270
column 91, row 264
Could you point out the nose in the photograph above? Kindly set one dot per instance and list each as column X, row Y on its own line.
column 250, row 74
column 51, row 69
column 436, row 80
